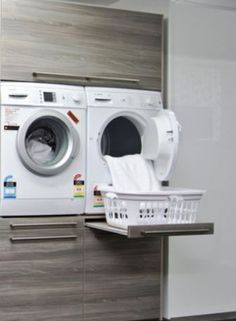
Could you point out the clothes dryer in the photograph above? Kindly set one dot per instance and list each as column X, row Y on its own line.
column 124, row 122
column 43, row 133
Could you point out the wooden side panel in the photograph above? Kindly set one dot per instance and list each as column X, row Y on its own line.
column 122, row 277
column 55, row 36
column 41, row 280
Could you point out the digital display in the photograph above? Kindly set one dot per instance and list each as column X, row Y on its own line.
column 49, row 96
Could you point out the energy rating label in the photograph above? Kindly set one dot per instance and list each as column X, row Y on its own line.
column 97, row 199
column 79, row 187
column 9, row 190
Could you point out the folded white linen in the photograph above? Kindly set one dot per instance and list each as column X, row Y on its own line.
column 132, row 173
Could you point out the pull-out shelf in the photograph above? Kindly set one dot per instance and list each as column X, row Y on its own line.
column 138, row 231
column 161, row 231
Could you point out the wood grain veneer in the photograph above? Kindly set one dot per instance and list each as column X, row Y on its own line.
column 122, row 277
column 41, row 280
column 97, row 276
column 56, row 36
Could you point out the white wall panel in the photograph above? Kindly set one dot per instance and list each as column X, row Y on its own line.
column 202, row 91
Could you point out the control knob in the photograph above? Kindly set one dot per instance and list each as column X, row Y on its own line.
column 76, row 98
column 149, row 102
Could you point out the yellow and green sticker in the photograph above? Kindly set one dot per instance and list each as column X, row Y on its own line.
column 79, row 187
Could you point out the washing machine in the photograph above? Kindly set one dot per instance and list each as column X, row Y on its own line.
column 43, row 134
column 125, row 122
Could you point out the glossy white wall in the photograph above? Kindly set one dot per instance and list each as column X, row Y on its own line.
column 202, row 91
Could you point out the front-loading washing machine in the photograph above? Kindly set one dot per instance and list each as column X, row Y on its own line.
column 43, row 134
column 125, row 122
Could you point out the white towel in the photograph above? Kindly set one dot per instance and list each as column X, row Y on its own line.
column 41, row 153
column 132, row 174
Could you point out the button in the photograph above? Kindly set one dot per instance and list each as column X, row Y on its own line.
column 149, row 102
column 76, row 98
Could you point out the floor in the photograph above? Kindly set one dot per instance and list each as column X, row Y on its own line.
column 231, row 316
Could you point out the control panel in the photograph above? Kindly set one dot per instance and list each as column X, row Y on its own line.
column 28, row 94
column 126, row 98
column 49, row 96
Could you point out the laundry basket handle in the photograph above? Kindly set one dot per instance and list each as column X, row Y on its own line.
column 111, row 195
column 175, row 198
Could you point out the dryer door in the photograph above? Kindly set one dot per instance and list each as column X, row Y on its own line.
column 122, row 135
column 160, row 143
column 47, row 143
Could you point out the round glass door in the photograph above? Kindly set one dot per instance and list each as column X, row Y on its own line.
column 47, row 143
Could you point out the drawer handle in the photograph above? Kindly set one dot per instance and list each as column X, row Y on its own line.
column 199, row 230
column 79, row 78
column 43, row 238
column 43, row 225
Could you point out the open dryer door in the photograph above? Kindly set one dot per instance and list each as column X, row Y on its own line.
column 160, row 143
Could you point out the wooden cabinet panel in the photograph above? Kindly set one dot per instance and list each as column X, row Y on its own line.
column 95, row 277
column 122, row 277
column 41, row 280
column 52, row 36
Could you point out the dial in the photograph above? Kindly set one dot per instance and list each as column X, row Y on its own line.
column 76, row 98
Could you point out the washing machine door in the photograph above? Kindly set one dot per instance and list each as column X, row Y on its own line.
column 47, row 143
column 160, row 143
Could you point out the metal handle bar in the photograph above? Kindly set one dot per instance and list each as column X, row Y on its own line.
column 43, row 238
column 79, row 78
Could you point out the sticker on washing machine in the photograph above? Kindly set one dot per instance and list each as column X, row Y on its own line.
column 73, row 117
column 97, row 198
column 79, row 188
column 9, row 187
column 12, row 115
column 7, row 127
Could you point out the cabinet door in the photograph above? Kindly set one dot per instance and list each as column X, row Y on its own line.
column 65, row 42
column 41, row 269
column 122, row 278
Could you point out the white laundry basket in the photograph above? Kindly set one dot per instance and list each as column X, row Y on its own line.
column 168, row 206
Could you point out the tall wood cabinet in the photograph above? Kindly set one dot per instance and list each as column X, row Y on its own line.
column 61, row 41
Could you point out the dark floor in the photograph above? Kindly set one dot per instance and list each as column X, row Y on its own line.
column 231, row 316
